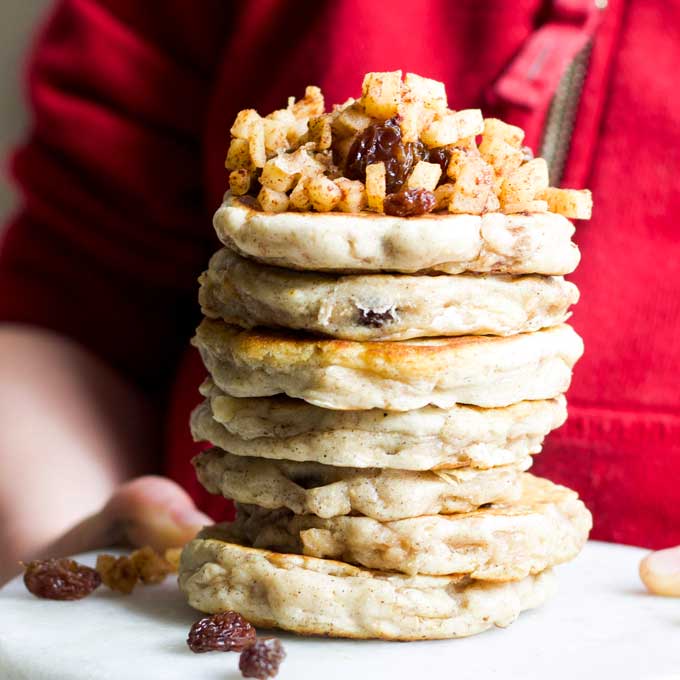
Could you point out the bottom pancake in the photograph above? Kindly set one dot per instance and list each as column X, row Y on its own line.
column 314, row 596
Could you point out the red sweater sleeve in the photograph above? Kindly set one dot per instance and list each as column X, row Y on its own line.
column 112, row 231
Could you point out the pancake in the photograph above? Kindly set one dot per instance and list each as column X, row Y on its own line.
column 537, row 243
column 424, row 439
column 398, row 376
column 329, row 491
column 381, row 306
column 310, row 596
column 504, row 542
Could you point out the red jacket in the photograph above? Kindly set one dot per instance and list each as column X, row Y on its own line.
column 124, row 166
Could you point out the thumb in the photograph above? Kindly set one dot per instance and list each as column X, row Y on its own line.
column 153, row 511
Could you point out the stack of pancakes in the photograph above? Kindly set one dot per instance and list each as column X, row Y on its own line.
column 374, row 429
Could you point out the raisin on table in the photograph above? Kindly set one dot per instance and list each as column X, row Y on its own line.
column 60, row 579
column 223, row 632
column 117, row 573
column 262, row 659
column 151, row 567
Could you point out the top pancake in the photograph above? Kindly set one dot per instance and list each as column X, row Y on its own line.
column 538, row 243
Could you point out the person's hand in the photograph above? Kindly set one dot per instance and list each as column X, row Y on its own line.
column 660, row 572
column 148, row 510
column 151, row 511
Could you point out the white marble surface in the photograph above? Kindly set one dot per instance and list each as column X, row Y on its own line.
column 601, row 624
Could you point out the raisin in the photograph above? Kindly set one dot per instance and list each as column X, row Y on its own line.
column 308, row 480
column 383, row 143
column 60, row 579
column 224, row 632
column 409, row 203
column 262, row 659
column 255, row 186
column 118, row 573
column 375, row 319
column 249, row 201
column 440, row 155
column 172, row 557
column 151, row 567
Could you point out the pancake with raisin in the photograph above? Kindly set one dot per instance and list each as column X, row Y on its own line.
column 400, row 376
column 537, row 243
column 331, row 491
column 312, row 596
column 280, row 428
column 546, row 526
column 381, row 306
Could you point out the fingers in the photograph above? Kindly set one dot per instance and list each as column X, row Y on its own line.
column 660, row 572
column 152, row 511
column 92, row 533
column 149, row 510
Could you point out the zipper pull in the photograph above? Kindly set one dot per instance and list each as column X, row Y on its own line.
column 532, row 77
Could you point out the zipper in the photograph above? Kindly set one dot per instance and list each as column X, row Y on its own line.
column 559, row 125
column 547, row 75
